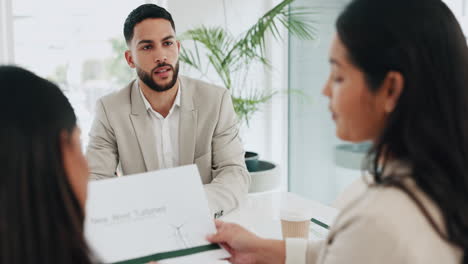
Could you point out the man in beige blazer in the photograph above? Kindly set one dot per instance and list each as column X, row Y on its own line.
column 163, row 120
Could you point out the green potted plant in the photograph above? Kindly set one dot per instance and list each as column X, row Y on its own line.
column 231, row 57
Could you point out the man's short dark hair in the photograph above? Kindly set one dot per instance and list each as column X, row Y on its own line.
column 141, row 13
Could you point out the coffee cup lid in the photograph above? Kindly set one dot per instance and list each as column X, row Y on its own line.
column 294, row 215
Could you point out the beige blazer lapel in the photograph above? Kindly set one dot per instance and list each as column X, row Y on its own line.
column 143, row 129
column 187, row 123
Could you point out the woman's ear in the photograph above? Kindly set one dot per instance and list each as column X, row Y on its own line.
column 392, row 89
column 65, row 140
column 74, row 163
column 66, row 147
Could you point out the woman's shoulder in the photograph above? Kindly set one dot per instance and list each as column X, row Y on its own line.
column 395, row 208
column 393, row 205
column 390, row 216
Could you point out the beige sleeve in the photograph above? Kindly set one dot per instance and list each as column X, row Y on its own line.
column 101, row 153
column 231, row 179
column 301, row 251
column 363, row 240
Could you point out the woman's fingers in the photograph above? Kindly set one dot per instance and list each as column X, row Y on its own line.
column 219, row 237
column 216, row 238
column 218, row 223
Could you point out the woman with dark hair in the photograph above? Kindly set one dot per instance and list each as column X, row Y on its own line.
column 399, row 78
column 43, row 173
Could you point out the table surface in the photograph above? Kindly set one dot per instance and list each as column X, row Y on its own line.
column 260, row 213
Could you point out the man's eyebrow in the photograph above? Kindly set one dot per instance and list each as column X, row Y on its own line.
column 145, row 41
column 168, row 37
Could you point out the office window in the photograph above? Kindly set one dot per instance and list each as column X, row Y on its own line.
column 320, row 165
column 77, row 44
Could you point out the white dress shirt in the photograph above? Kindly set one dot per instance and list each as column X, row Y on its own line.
column 166, row 132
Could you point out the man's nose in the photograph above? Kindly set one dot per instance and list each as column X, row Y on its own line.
column 160, row 58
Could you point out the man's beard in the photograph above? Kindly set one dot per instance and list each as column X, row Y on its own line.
column 147, row 78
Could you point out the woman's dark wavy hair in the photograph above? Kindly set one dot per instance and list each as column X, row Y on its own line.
column 41, row 220
column 423, row 41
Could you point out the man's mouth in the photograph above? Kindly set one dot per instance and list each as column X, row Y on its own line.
column 162, row 69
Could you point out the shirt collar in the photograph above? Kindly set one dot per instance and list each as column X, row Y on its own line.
column 148, row 105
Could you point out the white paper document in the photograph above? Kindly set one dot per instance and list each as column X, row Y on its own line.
column 161, row 215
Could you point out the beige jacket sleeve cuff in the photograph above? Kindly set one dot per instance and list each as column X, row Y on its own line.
column 301, row 251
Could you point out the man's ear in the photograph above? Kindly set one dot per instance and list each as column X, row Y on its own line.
column 178, row 45
column 129, row 58
column 392, row 89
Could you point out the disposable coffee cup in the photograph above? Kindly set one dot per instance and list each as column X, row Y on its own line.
column 294, row 224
